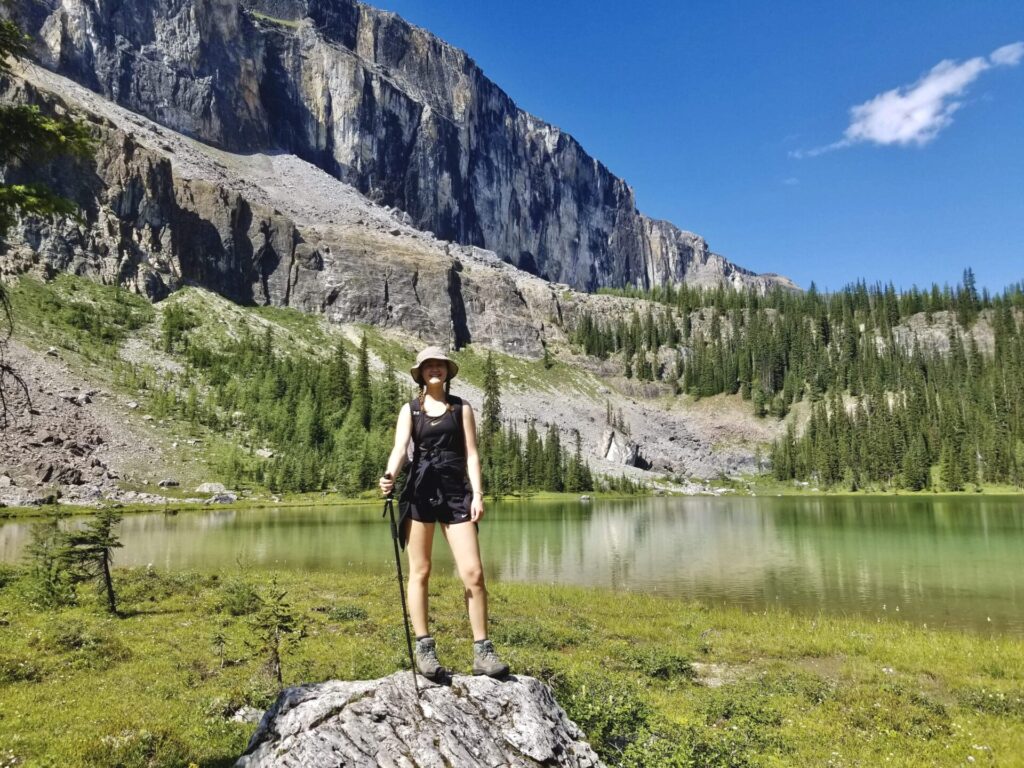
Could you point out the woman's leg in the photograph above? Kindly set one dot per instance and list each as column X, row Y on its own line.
column 465, row 547
column 419, row 540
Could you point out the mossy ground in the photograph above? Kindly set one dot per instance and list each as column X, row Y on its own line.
column 153, row 687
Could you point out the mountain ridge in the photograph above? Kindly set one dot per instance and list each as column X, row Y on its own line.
column 407, row 119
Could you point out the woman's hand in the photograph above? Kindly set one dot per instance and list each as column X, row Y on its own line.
column 476, row 507
column 387, row 484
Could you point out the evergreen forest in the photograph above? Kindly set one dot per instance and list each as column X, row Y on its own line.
column 328, row 421
column 885, row 410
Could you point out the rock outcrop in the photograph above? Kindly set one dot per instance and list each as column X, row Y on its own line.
column 619, row 449
column 405, row 118
column 161, row 211
column 475, row 721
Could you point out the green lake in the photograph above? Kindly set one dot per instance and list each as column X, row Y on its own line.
column 952, row 562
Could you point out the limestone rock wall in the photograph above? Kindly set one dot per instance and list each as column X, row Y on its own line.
column 407, row 119
column 159, row 211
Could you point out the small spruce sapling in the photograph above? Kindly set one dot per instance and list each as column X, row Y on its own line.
column 272, row 623
column 50, row 582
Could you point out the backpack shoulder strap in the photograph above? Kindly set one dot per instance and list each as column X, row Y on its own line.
column 417, row 421
column 457, row 403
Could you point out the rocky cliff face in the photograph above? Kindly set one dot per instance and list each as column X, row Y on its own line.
column 406, row 119
column 160, row 211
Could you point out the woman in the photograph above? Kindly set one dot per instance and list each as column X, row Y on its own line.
column 437, row 433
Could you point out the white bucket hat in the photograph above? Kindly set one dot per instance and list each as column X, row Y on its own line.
column 432, row 353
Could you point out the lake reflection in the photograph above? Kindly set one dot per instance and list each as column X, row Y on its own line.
column 953, row 562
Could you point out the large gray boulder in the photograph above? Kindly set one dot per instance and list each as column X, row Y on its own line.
column 475, row 721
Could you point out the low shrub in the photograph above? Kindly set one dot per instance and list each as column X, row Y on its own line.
column 894, row 708
column 139, row 747
column 610, row 713
column 347, row 613
column 8, row 575
column 1002, row 703
column 85, row 647
column 240, row 597
column 14, row 669
column 658, row 663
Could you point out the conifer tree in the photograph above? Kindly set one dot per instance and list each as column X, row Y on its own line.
column 336, row 387
column 89, row 553
column 351, row 453
column 387, row 399
column 916, row 475
column 51, row 585
column 554, row 479
column 272, row 624
column 548, row 360
column 534, row 457
column 491, row 421
column 757, row 397
column 362, row 396
column 949, row 467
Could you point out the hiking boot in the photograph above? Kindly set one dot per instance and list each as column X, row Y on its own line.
column 426, row 659
column 486, row 660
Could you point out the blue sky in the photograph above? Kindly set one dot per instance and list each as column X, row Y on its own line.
column 826, row 141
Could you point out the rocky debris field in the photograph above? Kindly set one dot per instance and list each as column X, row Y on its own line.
column 72, row 440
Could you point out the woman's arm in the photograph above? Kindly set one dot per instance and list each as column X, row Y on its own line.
column 476, row 509
column 403, row 431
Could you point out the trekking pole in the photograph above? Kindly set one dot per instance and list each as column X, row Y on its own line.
column 389, row 509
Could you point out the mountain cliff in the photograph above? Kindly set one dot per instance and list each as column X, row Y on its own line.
column 408, row 120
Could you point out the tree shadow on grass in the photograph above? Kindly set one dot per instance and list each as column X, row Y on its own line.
column 218, row 762
column 131, row 613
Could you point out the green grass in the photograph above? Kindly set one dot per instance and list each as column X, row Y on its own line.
column 152, row 688
column 386, row 347
column 514, row 372
column 218, row 321
column 290, row 23
column 77, row 315
column 518, row 373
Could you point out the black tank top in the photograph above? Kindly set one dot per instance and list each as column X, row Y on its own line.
column 440, row 433
column 439, row 454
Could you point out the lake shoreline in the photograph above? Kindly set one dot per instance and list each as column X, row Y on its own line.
column 172, row 506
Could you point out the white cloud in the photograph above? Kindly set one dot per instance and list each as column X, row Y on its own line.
column 915, row 114
column 1007, row 56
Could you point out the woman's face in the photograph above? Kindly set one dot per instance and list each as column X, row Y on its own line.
column 434, row 369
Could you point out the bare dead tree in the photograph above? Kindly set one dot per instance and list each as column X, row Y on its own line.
column 12, row 385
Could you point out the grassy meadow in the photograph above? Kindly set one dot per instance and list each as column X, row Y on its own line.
column 652, row 681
